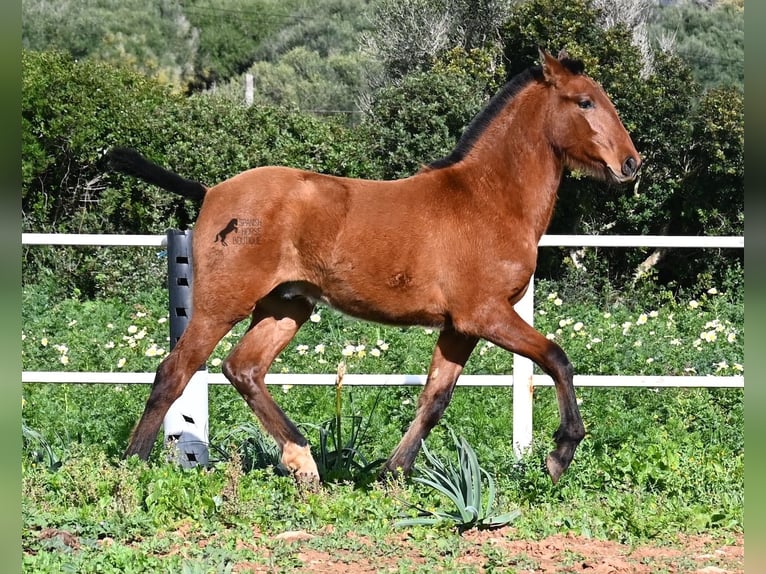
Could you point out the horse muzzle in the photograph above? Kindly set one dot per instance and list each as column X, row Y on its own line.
column 630, row 167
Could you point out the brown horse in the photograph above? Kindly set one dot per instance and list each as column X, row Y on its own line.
column 452, row 247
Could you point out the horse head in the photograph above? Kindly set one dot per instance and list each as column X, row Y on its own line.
column 582, row 124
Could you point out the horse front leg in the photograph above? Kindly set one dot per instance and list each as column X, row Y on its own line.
column 174, row 373
column 450, row 355
column 508, row 330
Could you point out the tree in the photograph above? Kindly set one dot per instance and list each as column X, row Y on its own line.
column 326, row 27
column 304, row 80
column 230, row 32
column 154, row 36
column 710, row 38
column 409, row 36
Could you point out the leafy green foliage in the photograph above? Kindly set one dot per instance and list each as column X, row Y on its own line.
column 710, row 39
column 154, row 37
column 463, row 486
column 325, row 27
column 305, row 80
column 230, row 32
column 408, row 37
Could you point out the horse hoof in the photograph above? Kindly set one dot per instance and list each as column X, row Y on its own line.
column 554, row 466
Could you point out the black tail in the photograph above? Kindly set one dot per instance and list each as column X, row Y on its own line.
column 129, row 161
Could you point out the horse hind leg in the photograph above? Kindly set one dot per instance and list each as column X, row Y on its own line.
column 275, row 322
column 450, row 355
column 192, row 350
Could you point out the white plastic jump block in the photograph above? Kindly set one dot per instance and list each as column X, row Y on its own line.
column 186, row 424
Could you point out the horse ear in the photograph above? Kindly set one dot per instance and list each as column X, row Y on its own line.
column 552, row 68
column 563, row 54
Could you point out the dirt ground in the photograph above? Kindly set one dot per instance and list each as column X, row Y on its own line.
column 501, row 551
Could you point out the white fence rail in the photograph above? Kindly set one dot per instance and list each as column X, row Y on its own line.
column 522, row 379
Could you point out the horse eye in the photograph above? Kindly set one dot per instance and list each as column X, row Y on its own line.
column 585, row 104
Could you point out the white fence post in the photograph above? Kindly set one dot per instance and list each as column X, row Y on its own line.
column 248, row 89
column 523, row 387
column 186, row 422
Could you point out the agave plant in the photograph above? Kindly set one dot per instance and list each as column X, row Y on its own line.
column 44, row 453
column 463, row 485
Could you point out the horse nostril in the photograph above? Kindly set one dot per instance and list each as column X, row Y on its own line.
column 629, row 167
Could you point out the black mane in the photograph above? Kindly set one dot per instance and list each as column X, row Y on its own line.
column 493, row 107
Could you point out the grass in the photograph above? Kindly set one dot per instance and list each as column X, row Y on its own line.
column 655, row 462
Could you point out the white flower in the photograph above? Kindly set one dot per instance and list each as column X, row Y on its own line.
column 550, row 336
column 637, row 343
column 675, row 342
column 162, row 320
column 140, row 314
column 712, row 291
column 541, row 312
column 642, row 319
column 693, row 304
column 375, row 352
column 721, row 366
column 154, row 351
column 578, row 326
column 216, row 362
column 653, row 314
column 315, row 318
column 64, row 360
column 109, row 326
column 319, row 349
column 738, row 367
column 347, row 351
column 121, row 363
column 382, row 345
column 286, row 388
column 595, row 340
column 141, row 334
column 563, row 323
column 428, row 331
column 690, row 370
column 302, row 349
column 709, row 336
column 731, row 337
column 109, row 345
column 552, row 296
column 650, row 360
column 557, row 302
column 72, row 323
column 607, row 315
column 44, row 341
column 132, row 329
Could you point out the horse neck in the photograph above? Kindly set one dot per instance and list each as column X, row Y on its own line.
column 513, row 164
